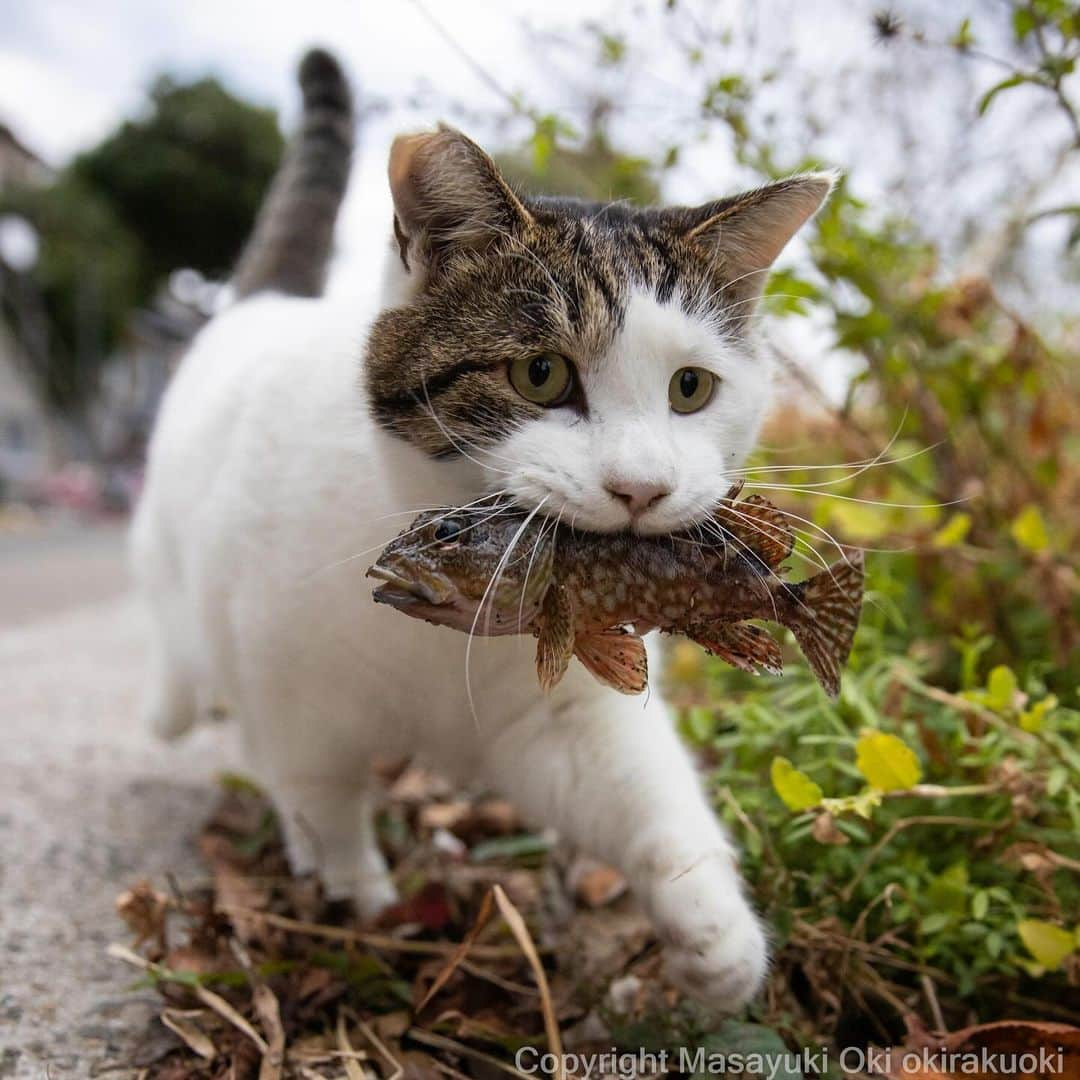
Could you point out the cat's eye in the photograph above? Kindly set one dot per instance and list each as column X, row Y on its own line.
column 447, row 531
column 690, row 389
column 545, row 379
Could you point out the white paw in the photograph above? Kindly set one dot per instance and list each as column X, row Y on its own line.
column 714, row 947
column 373, row 894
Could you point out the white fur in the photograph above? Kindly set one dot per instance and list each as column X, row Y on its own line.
column 633, row 438
column 269, row 493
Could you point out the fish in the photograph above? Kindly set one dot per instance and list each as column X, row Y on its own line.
column 492, row 569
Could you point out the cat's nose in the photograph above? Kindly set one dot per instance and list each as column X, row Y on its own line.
column 638, row 495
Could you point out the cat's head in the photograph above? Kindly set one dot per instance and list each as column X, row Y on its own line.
column 595, row 359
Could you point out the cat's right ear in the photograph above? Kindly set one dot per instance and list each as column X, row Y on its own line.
column 448, row 194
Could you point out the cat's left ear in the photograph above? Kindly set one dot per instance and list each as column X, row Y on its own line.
column 744, row 234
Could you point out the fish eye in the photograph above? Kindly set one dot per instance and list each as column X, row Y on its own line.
column 545, row 379
column 690, row 389
column 447, row 530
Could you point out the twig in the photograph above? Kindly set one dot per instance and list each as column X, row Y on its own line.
column 441, row 1042
column 380, row 1046
column 373, row 940
column 352, row 1069
column 524, row 939
column 898, row 827
column 207, row 997
column 459, row 954
column 268, row 1011
column 930, row 993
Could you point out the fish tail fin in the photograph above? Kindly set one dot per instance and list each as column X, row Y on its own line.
column 826, row 617
column 290, row 246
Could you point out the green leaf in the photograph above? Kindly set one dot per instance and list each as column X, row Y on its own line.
column 750, row 1042
column 1001, row 687
column 948, row 892
column 987, row 99
column 886, row 762
column 1049, row 944
column 980, row 904
column 795, row 788
column 1029, row 530
column 524, row 846
column 953, row 532
column 1023, row 22
column 963, row 38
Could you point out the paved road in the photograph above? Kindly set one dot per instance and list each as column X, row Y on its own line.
column 88, row 803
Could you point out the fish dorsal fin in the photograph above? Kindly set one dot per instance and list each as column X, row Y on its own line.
column 554, row 637
column 616, row 657
column 759, row 526
column 746, row 647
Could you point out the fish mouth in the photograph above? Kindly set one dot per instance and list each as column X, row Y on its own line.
column 400, row 590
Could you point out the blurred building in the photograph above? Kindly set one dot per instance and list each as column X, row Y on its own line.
column 18, row 163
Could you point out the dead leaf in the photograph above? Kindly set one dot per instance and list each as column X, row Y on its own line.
column 595, row 884
column 183, row 1024
column 521, row 934
column 460, row 952
column 824, row 831
column 428, row 908
column 444, row 815
column 998, row 1045
column 349, row 1060
column 144, row 910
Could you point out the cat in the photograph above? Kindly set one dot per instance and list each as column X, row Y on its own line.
column 596, row 362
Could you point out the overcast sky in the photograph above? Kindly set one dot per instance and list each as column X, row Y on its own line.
column 71, row 70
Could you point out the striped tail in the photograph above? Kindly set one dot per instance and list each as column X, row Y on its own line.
column 290, row 245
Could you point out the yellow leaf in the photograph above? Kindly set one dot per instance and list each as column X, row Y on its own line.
column 953, row 531
column 1049, row 944
column 796, row 789
column 886, row 762
column 1029, row 530
column 1032, row 719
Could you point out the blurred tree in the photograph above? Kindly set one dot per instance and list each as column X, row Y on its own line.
column 593, row 170
column 178, row 187
column 69, row 308
column 187, row 178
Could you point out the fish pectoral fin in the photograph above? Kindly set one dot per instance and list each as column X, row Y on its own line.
column 616, row 657
column 554, row 637
column 760, row 527
column 746, row 647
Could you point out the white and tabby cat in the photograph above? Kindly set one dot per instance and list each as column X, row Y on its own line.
column 595, row 362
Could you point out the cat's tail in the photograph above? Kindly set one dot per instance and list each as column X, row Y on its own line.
column 289, row 248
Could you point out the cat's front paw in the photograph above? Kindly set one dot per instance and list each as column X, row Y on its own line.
column 714, row 946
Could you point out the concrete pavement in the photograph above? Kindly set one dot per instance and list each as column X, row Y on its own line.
column 88, row 803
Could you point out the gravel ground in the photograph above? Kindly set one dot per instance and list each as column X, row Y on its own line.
column 89, row 803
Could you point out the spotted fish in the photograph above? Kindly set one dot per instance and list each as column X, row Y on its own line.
column 490, row 569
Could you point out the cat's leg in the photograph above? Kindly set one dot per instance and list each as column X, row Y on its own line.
column 611, row 775
column 170, row 705
column 329, row 830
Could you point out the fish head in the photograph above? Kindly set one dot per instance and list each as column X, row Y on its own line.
column 479, row 569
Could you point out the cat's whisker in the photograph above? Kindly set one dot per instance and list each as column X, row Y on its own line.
column 450, row 438
column 408, row 532
column 544, row 528
column 855, row 499
column 483, row 599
